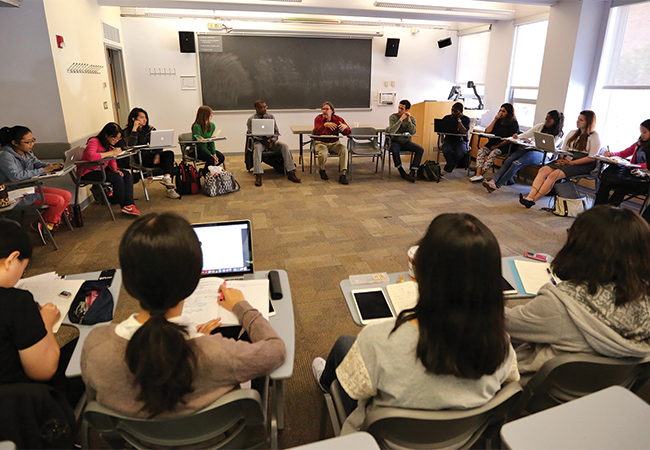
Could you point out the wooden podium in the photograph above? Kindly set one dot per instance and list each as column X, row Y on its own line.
column 424, row 114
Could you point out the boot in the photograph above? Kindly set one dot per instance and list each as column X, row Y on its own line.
column 258, row 179
column 405, row 175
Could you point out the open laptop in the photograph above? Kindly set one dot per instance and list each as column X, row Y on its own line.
column 445, row 126
column 262, row 127
column 544, row 141
column 161, row 138
column 68, row 165
column 227, row 249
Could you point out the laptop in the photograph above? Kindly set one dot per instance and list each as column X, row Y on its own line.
column 227, row 248
column 262, row 127
column 445, row 126
column 544, row 141
column 161, row 138
column 68, row 165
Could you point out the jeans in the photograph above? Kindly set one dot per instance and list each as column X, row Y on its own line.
column 454, row 152
column 514, row 163
column 396, row 147
column 338, row 352
column 122, row 186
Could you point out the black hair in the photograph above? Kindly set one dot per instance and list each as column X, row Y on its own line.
column 13, row 238
column 458, row 106
column 133, row 116
column 13, row 134
column 510, row 109
column 111, row 129
column 645, row 145
column 460, row 310
column 259, row 103
column 406, row 103
column 558, row 124
column 161, row 260
column 607, row 245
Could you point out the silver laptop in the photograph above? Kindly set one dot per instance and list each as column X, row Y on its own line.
column 544, row 141
column 227, row 248
column 68, row 165
column 263, row 127
column 162, row 138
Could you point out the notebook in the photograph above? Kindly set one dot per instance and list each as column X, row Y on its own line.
column 162, row 138
column 262, row 127
column 227, row 248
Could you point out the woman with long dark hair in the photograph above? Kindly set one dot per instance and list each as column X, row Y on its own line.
column 451, row 350
column 621, row 179
column 503, row 125
column 602, row 303
column 524, row 157
column 102, row 146
column 155, row 364
column 581, row 143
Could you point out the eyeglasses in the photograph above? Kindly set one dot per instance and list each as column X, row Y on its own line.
column 114, row 138
column 29, row 142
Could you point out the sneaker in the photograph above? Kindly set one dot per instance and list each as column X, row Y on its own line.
column 38, row 227
column 131, row 210
column 167, row 182
column 317, row 368
column 171, row 193
column 323, row 174
column 490, row 186
column 343, row 179
column 476, row 178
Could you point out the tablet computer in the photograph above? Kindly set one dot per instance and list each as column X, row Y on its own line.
column 372, row 305
column 508, row 289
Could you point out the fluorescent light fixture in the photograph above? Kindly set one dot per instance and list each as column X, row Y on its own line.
column 446, row 9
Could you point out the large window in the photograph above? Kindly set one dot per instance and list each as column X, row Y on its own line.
column 526, row 68
column 472, row 64
column 622, row 95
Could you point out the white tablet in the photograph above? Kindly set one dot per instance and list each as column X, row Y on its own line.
column 372, row 305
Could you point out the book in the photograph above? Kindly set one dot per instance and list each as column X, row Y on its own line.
column 403, row 295
column 203, row 304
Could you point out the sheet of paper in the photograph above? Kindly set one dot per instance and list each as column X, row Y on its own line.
column 17, row 194
column 47, row 290
column 403, row 295
column 533, row 275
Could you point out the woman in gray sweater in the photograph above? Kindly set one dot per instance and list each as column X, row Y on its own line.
column 155, row 365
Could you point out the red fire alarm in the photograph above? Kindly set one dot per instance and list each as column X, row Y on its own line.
column 59, row 41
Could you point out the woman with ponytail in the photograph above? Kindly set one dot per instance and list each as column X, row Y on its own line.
column 155, row 364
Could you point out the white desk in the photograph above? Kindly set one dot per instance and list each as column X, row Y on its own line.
column 613, row 418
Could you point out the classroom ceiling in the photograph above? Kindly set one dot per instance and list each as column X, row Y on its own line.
column 471, row 11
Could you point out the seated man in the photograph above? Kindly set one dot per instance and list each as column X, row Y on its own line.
column 401, row 123
column 455, row 147
column 328, row 124
column 261, row 143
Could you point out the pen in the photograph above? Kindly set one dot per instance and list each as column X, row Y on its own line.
column 552, row 277
column 221, row 293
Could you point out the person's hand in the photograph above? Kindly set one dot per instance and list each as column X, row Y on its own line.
column 494, row 147
column 110, row 153
column 343, row 127
column 216, row 160
column 120, row 173
column 562, row 161
column 330, row 125
column 50, row 315
column 515, row 136
column 527, row 140
column 230, row 297
column 269, row 144
column 206, row 328
column 156, row 160
column 607, row 153
column 53, row 167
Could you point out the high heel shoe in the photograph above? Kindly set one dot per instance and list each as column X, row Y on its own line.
column 527, row 203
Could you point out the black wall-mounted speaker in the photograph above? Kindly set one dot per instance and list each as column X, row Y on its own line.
column 392, row 46
column 186, row 39
column 446, row 42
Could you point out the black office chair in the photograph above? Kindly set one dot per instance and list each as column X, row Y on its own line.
column 270, row 157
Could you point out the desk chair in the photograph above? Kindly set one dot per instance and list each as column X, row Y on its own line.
column 387, row 143
column 313, row 156
column 567, row 377
column 136, row 164
column 364, row 142
column 270, row 157
column 418, row 429
column 230, row 422
column 189, row 150
column 76, row 177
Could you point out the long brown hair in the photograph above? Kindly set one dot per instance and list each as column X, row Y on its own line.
column 203, row 118
column 579, row 140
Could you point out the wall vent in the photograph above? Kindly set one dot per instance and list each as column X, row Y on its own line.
column 111, row 33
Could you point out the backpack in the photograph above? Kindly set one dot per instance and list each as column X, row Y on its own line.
column 430, row 171
column 188, row 181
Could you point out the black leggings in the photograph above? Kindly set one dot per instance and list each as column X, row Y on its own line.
column 622, row 182
column 122, row 186
column 166, row 160
column 336, row 356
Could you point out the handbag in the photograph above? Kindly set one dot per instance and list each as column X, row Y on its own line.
column 569, row 207
column 4, row 196
column 92, row 304
column 219, row 184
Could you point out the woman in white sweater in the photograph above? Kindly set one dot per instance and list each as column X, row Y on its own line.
column 602, row 304
column 448, row 352
column 581, row 143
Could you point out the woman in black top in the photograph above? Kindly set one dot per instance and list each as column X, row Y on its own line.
column 504, row 125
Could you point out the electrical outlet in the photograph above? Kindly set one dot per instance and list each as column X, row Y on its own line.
column 105, row 105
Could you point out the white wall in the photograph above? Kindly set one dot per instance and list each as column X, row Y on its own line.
column 497, row 75
column 81, row 95
column 30, row 95
column 421, row 72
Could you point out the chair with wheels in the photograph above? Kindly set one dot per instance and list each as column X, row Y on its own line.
column 567, row 377
column 230, row 422
column 76, row 177
column 417, row 429
column 364, row 142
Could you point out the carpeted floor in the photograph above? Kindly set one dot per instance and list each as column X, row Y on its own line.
column 320, row 232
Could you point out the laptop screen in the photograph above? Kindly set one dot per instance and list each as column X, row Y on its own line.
column 227, row 248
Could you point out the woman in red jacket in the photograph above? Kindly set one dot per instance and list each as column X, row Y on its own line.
column 620, row 179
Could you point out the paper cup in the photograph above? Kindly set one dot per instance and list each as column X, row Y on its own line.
column 411, row 254
column 356, row 124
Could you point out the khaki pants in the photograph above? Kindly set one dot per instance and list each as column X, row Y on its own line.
column 323, row 148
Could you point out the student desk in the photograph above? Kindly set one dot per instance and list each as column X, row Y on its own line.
column 507, row 268
column 355, row 441
column 613, row 418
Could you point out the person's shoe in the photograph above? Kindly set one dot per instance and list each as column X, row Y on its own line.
column 38, row 227
column 414, row 173
column 167, row 182
column 490, row 186
column 317, row 368
column 293, row 177
column 171, row 193
column 131, row 210
column 448, row 168
column 524, row 201
column 476, row 178
column 258, row 179
column 343, row 179
column 405, row 175
column 323, row 174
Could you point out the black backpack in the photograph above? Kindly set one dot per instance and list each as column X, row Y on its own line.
column 188, row 181
column 430, row 171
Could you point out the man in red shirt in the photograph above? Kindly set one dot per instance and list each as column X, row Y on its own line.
column 329, row 124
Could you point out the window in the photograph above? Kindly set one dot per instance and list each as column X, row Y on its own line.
column 526, row 69
column 472, row 64
column 622, row 92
